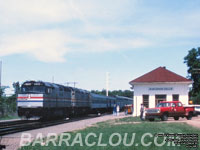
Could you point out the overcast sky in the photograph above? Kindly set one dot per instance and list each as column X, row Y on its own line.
column 81, row 40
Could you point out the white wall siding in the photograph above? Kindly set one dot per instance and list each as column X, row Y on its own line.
column 167, row 89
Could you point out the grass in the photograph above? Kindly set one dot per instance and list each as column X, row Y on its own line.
column 109, row 127
column 129, row 119
column 9, row 117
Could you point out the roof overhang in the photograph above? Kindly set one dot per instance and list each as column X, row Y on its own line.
column 148, row 83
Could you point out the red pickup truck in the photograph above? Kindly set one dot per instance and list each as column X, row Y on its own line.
column 167, row 109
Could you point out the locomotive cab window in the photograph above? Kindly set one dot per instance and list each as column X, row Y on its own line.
column 33, row 88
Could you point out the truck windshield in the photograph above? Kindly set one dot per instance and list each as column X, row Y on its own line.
column 163, row 105
column 33, row 89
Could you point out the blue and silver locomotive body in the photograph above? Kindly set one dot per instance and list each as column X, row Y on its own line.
column 47, row 100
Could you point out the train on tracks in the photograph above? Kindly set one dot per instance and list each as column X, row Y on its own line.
column 49, row 100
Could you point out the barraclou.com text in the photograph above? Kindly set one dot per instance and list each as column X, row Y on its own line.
column 92, row 139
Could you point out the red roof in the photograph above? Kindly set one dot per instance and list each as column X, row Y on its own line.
column 160, row 74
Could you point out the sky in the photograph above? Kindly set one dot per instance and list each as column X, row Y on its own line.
column 81, row 40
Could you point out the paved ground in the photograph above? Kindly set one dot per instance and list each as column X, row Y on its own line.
column 12, row 141
column 194, row 122
column 9, row 120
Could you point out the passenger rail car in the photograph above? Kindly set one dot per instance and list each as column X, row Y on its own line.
column 48, row 100
column 123, row 101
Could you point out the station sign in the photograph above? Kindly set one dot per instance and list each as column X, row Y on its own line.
column 161, row 89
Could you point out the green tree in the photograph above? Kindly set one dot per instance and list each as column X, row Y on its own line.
column 2, row 103
column 11, row 104
column 125, row 93
column 16, row 86
column 7, row 104
column 193, row 62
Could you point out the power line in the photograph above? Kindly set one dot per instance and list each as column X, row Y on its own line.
column 68, row 83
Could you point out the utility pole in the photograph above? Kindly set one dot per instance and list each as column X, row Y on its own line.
column 68, row 83
column 107, row 83
column 0, row 72
column 75, row 84
column 52, row 79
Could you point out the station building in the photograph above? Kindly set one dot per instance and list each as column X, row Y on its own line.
column 159, row 85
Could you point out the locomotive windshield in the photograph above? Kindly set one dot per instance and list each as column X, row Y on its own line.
column 33, row 88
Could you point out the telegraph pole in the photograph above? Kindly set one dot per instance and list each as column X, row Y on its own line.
column 0, row 72
column 75, row 84
column 52, row 79
column 68, row 83
column 107, row 83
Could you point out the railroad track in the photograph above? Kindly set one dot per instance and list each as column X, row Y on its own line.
column 10, row 123
column 25, row 125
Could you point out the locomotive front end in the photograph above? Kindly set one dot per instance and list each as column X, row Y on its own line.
column 30, row 100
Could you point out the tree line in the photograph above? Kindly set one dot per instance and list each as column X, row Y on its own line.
column 8, row 105
column 125, row 93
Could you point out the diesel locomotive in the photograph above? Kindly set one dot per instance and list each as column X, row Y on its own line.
column 48, row 100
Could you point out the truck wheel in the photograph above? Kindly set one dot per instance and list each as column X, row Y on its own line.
column 152, row 119
column 176, row 118
column 164, row 117
column 189, row 117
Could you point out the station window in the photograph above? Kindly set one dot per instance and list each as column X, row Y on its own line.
column 160, row 98
column 146, row 101
column 175, row 97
